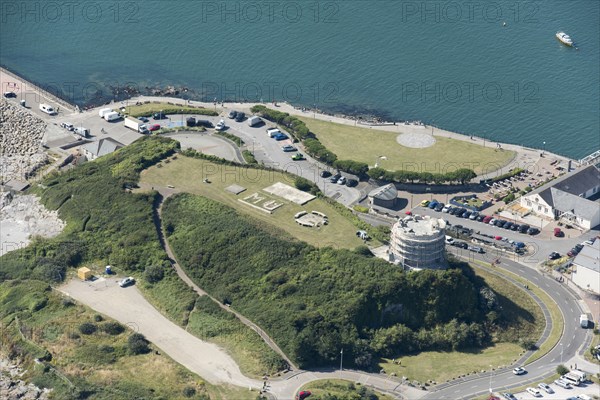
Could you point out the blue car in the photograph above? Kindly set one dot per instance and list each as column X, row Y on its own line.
column 143, row 119
column 280, row 136
column 433, row 204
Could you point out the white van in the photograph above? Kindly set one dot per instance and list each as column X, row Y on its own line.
column 84, row 132
column 112, row 116
column 253, row 121
column 104, row 111
column 273, row 131
column 572, row 379
column 48, row 109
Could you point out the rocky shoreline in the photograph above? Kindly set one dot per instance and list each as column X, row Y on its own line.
column 13, row 388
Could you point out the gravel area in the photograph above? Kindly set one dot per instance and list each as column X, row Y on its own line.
column 22, row 217
column 416, row 140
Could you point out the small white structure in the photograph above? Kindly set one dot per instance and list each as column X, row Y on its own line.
column 419, row 243
column 586, row 268
column 48, row 109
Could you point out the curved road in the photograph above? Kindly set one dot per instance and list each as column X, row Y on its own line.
column 573, row 342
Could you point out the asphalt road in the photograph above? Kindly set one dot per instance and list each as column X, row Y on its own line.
column 575, row 340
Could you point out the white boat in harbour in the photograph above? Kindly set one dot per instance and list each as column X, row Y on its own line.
column 564, row 38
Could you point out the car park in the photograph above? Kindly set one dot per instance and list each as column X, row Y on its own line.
column 127, row 281
column 351, row 182
column 563, row 384
column 325, row 174
column 342, row 180
column 232, row 114
column 153, row 127
column 439, row 207
column 519, row 371
column 546, row 388
column 534, row 392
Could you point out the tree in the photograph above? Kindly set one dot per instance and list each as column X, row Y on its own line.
column 113, row 328
column 87, row 328
column 154, row 273
column 464, row 175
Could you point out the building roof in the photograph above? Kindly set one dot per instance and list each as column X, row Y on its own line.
column 589, row 257
column 420, row 226
column 567, row 202
column 387, row 192
column 575, row 183
column 103, row 146
column 16, row 185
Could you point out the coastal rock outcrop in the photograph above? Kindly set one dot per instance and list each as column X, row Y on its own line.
column 12, row 388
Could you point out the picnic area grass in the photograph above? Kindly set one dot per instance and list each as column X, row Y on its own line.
column 444, row 366
column 340, row 389
column 147, row 109
column 187, row 174
column 366, row 145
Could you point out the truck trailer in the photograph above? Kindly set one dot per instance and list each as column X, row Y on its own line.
column 135, row 124
column 104, row 111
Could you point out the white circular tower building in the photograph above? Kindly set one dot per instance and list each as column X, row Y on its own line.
column 419, row 242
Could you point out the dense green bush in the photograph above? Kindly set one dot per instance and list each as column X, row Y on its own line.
column 313, row 301
column 138, row 344
column 352, row 167
column 508, row 198
column 113, row 328
column 249, row 157
column 87, row 328
column 562, row 370
column 154, row 273
column 461, row 176
column 305, row 185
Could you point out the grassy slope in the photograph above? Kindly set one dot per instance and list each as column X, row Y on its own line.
column 186, row 174
column 339, row 388
column 87, row 361
column 526, row 320
column 366, row 145
column 150, row 108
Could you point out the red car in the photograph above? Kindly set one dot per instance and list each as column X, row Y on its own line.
column 558, row 232
column 303, row 394
column 154, row 127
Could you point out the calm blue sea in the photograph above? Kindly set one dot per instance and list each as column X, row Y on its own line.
column 450, row 63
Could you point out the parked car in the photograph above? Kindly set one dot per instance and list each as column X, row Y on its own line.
column 554, row 256
column 240, row 116
column 424, row 203
column 67, row 125
column 159, row 115
column 515, row 227
column 487, row 219
column 462, row 245
column 127, row 281
column 342, row 180
column 9, row 95
column 144, row 119
column 558, row 232
column 474, row 215
column 288, row 148
column 519, row 371
column 205, row 123
column 466, row 214
column 221, row 125
column 439, row 207
column 509, row 396
column 303, row 395
column 280, row 136
column 534, row 392
column 432, row 204
column 493, row 221
column 480, row 218
column 232, row 114
column 533, row 231
column 508, row 225
column 153, row 127
column 524, row 228
column 335, row 178
column 325, row 174
column 297, row 157
column 563, row 384
column 447, row 208
column 546, row 388
column 454, row 210
column 476, row 249
column 499, row 223
column 351, row 182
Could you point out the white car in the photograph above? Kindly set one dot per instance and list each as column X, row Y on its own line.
column 446, row 208
column 127, row 281
column 67, row 125
column 221, row 125
column 562, row 384
column 545, row 387
column 534, row 392
column 342, row 180
column 519, row 371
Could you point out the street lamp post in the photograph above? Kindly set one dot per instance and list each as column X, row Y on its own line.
column 543, row 148
column 491, row 374
column 341, row 359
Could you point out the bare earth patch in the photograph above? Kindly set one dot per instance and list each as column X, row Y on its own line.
column 416, row 140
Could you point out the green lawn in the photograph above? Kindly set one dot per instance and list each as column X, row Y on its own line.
column 366, row 145
column 186, row 174
column 147, row 109
column 341, row 389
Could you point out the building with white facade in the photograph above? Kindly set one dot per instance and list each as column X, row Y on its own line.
column 586, row 268
column 419, row 243
column 572, row 198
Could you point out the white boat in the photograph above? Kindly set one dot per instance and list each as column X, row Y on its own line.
column 564, row 38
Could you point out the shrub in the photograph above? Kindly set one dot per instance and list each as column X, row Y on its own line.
column 138, row 344
column 361, row 209
column 98, row 318
column 363, row 250
column 509, row 198
column 154, row 273
column 305, row 185
column 561, row 370
column 87, row 328
column 189, row 391
column 113, row 328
